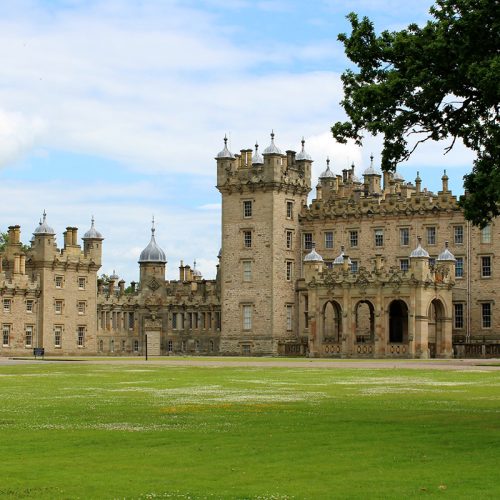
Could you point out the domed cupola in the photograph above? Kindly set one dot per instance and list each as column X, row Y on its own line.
column 196, row 272
column 92, row 233
column 313, row 256
column 225, row 153
column 303, row 155
column 43, row 227
column 272, row 149
column 340, row 258
column 257, row 158
column 152, row 253
column 419, row 251
column 446, row 255
column 370, row 170
column 327, row 174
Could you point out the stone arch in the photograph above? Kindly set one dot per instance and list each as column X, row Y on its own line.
column 435, row 320
column 398, row 322
column 364, row 313
column 332, row 321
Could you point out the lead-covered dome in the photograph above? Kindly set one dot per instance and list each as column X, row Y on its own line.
column 340, row 258
column 419, row 251
column 153, row 253
column 92, row 233
column 313, row 256
column 327, row 174
column 446, row 255
column 257, row 158
column 43, row 227
column 225, row 153
column 302, row 154
column 272, row 149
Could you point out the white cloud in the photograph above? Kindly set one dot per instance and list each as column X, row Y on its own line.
column 18, row 134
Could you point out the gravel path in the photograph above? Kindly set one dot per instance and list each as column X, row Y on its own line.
column 435, row 364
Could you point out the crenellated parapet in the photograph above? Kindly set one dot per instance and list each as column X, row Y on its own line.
column 250, row 171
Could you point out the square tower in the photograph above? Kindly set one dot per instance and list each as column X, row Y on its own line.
column 262, row 196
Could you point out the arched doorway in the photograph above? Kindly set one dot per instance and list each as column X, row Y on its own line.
column 365, row 321
column 398, row 322
column 332, row 322
column 435, row 321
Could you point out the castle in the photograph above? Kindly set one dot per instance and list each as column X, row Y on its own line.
column 377, row 267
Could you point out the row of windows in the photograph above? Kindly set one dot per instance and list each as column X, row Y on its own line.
column 404, row 237
column 247, row 270
column 248, row 209
column 195, row 320
column 81, row 306
column 459, row 316
column 59, row 282
column 28, row 335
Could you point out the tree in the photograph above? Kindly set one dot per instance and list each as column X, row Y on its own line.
column 441, row 81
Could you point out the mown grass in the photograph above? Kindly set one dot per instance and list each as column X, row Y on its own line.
column 137, row 431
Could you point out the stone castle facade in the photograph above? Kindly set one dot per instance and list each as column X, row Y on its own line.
column 372, row 267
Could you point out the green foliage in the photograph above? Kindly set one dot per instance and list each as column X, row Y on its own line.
column 4, row 238
column 432, row 83
column 153, row 431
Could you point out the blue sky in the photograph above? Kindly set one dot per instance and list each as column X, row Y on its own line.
column 117, row 108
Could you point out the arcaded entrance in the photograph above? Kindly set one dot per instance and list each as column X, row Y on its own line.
column 436, row 327
column 398, row 322
column 332, row 322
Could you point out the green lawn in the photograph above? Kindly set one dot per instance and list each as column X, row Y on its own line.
column 71, row 430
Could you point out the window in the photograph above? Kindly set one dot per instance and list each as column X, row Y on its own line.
column 247, row 270
column 28, row 335
column 354, row 266
column 197, row 345
column 459, row 267
column 80, row 336
column 81, row 283
column 124, row 345
column 432, row 261
column 289, row 209
column 459, row 315
column 245, row 350
column 7, row 303
column 353, row 238
column 174, row 321
column 289, row 240
column 247, row 209
column 308, row 241
column 81, row 307
column 130, row 320
column 486, row 266
column 247, row 239
column 29, row 306
column 486, row 314
column 289, row 317
column 306, row 311
column 101, row 345
column 329, row 239
column 59, row 281
column 328, row 264
column 170, row 346
column 404, row 264
column 289, row 270
column 112, row 345
column 431, row 235
column 211, row 346
column 136, row 346
column 379, row 237
column 404, row 236
column 247, row 317
column 458, row 232
column 5, row 335
column 57, row 336
column 486, row 234
column 58, row 306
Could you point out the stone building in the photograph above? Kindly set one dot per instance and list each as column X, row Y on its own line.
column 371, row 267
column 49, row 295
